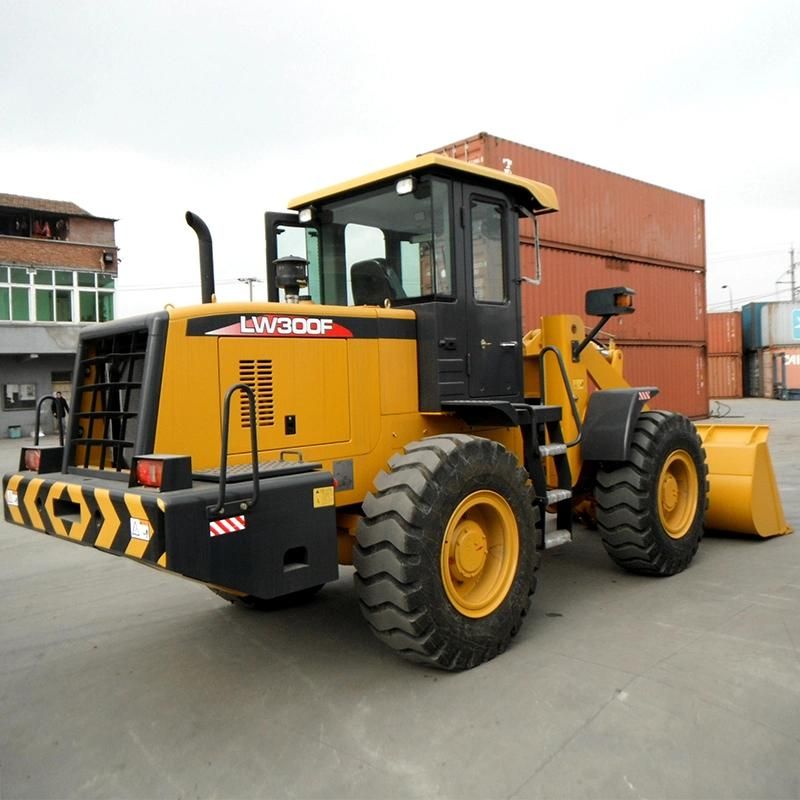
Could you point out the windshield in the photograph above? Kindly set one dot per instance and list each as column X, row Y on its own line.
column 383, row 246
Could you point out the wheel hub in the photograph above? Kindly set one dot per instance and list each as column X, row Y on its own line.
column 470, row 551
column 678, row 494
column 480, row 553
column 669, row 492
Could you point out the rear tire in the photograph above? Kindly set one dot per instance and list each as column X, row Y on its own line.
column 650, row 508
column 445, row 554
column 252, row 603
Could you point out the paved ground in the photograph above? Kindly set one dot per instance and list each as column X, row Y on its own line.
column 120, row 681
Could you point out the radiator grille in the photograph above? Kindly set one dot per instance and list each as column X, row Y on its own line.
column 105, row 418
column 257, row 374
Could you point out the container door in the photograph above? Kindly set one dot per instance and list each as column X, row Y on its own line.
column 492, row 301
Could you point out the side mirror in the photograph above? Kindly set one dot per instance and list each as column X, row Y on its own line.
column 610, row 302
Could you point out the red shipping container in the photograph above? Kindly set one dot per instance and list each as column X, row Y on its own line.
column 601, row 211
column 669, row 303
column 725, row 375
column 678, row 371
column 725, row 334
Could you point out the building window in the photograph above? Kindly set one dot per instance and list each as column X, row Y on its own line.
column 35, row 225
column 47, row 295
column 17, row 396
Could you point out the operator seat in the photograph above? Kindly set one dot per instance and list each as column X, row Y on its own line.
column 373, row 282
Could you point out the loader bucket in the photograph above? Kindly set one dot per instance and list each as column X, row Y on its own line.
column 742, row 492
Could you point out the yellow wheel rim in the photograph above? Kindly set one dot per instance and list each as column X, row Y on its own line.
column 677, row 494
column 480, row 553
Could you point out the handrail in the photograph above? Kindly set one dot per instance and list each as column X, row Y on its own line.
column 223, row 470
column 565, row 378
column 38, row 418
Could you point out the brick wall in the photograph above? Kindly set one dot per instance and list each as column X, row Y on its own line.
column 47, row 253
column 91, row 231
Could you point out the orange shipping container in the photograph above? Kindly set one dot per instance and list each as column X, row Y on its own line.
column 601, row 211
column 725, row 375
column 725, row 334
column 670, row 303
column 678, row 371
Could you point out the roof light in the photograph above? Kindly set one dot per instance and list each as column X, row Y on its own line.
column 306, row 215
column 405, row 185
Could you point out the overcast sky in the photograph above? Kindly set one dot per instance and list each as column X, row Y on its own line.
column 141, row 110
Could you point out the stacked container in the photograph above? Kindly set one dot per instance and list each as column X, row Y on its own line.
column 725, row 363
column 617, row 231
column 772, row 349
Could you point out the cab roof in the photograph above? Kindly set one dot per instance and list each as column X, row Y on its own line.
column 537, row 197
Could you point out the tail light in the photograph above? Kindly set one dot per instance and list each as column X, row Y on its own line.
column 33, row 458
column 41, row 459
column 165, row 473
column 149, row 472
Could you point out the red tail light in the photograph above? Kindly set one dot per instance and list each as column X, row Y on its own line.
column 149, row 472
column 33, row 459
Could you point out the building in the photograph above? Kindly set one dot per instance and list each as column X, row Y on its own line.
column 58, row 269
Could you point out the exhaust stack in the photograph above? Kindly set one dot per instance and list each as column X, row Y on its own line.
column 206, row 256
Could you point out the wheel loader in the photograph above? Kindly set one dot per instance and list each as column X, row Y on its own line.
column 382, row 408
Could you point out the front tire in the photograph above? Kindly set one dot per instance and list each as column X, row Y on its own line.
column 445, row 554
column 650, row 508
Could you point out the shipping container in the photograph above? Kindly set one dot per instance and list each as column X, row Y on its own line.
column 669, row 303
column 725, row 375
column 752, row 373
column 725, row 334
column 751, row 327
column 780, row 370
column 678, row 371
column 601, row 211
column 780, row 324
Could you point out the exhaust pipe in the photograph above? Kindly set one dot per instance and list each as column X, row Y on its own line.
column 206, row 256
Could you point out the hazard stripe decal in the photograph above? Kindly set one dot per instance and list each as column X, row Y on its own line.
column 89, row 515
column 220, row 527
column 13, row 485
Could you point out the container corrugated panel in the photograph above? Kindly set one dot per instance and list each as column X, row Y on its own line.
column 780, row 366
column 766, row 373
column 669, row 303
column 678, row 371
column 725, row 333
column 601, row 210
column 725, row 375
column 751, row 327
column 752, row 374
column 780, row 324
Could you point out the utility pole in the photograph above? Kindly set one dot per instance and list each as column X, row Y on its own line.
column 792, row 266
column 250, row 282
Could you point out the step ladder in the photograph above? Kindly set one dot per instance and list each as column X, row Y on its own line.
column 544, row 443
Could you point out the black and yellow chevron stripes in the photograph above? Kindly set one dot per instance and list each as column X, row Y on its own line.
column 88, row 514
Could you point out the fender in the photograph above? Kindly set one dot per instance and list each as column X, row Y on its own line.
column 611, row 416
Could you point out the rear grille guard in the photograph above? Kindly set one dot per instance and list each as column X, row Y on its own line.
column 118, row 377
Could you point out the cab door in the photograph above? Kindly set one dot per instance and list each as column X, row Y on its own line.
column 492, row 302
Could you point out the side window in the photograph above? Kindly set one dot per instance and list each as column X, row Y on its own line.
column 488, row 263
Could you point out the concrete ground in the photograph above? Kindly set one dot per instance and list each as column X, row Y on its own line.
column 119, row 681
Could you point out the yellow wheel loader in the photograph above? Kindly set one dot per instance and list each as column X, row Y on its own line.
column 382, row 408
